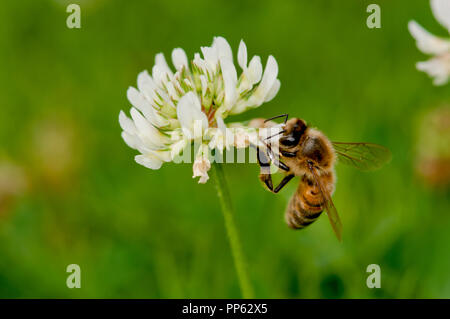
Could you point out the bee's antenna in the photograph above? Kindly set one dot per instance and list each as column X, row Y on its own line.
column 278, row 116
column 281, row 132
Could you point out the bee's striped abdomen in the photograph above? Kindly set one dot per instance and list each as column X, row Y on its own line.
column 305, row 206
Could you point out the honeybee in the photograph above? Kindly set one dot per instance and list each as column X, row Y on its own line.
column 306, row 152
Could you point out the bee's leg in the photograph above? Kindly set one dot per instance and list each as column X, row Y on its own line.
column 263, row 160
column 267, row 180
column 289, row 154
column 281, row 165
column 283, row 182
column 264, row 163
column 277, row 162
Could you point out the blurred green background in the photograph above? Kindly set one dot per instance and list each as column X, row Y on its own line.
column 72, row 192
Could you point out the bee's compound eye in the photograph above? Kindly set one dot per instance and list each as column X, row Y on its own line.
column 288, row 141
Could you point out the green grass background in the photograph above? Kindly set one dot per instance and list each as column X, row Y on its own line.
column 159, row 234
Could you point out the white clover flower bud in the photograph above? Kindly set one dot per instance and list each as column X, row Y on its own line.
column 202, row 164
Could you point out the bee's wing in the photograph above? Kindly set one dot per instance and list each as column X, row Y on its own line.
column 364, row 156
column 329, row 206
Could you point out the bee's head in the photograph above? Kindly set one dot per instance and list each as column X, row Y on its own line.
column 294, row 130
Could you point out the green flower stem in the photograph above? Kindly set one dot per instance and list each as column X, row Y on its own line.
column 235, row 244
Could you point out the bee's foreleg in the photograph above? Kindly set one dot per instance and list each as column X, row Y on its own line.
column 263, row 159
column 281, row 165
column 276, row 161
column 264, row 163
column 267, row 180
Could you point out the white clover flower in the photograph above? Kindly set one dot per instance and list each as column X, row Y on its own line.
column 437, row 67
column 172, row 109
